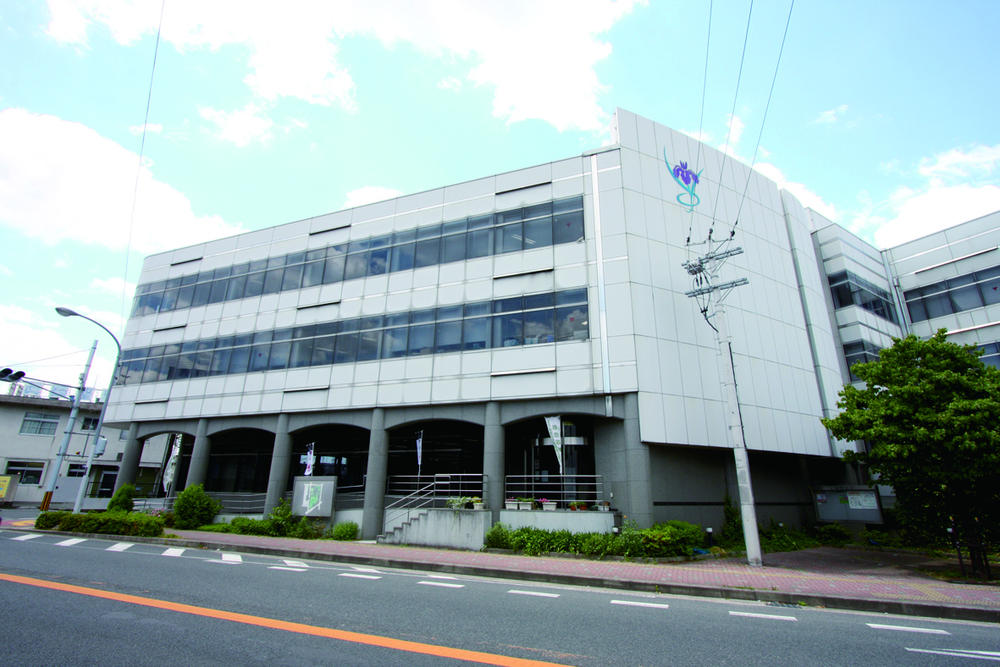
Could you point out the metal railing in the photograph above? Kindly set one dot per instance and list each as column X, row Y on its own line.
column 563, row 489
column 446, row 485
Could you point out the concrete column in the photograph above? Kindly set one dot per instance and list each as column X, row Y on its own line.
column 639, row 503
column 494, row 453
column 378, row 465
column 281, row 455
column 129, row 467
column 199, row 456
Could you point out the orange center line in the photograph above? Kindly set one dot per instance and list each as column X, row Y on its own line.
column 287, row 626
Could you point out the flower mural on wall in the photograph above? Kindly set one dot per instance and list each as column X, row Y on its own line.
column 687, row 179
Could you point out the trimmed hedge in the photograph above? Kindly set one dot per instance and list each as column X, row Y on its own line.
column 115, row 522
column 194, row 507
column 674, row 538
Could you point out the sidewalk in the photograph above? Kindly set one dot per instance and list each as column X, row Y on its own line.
column 878, row 581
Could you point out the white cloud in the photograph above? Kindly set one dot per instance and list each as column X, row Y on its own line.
column 5, row 270
column 735, row 125
column 450, row 83
column 113, row 286
column 63, row 181
column 151, row 128
column 241, row 127
column 538, row 58
column 939, row 206
column 808, row 198
column 369, row 194
column 977, row 161
column 831, row 116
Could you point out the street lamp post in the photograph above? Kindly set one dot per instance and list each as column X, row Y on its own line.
column 67, row 312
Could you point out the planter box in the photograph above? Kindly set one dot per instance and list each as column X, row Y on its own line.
column 478, row 506
column 510, row 505
column 549, row 506
column 524, row 506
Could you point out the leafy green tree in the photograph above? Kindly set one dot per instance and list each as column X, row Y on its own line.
column 930, row 413
column 122, row 500
column 194, row 507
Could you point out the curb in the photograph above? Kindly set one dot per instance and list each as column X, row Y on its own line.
column 927, row 609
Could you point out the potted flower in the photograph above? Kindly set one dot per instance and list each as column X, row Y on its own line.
column 547, row 505
column 525, row 503
column 510, row 504
column 604, row 506
column 477, row 503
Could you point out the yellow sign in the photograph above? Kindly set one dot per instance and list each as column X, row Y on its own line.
column 4, row 483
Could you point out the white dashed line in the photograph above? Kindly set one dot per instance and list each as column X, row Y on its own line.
column 633, row 603
column 174, row 552
column 364, row 569
column 773, row 617
column 441, row 584
column 536, row 594
column 906, row 628
column 440, row 576
column 960, row 653
column 70, row 542
column 287, row 569
column 121, row 546
column 232, row 558
column 29, row 536
column 357, row 575
column 295, row 563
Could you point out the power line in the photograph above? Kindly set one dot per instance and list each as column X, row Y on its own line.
column 701, row 118
column 138, row 168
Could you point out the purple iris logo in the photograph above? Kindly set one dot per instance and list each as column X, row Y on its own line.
column 687, row 179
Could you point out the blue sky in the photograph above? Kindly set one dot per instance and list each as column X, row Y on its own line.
column 883, row 118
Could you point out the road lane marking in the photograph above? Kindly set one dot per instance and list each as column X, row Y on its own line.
column 173, row 552
column 287, row 626
column 906, row 628
column 536, row 594
column 774, row 617
column 358, row 575
column 634, row 603
column 441, row 584
column 365, row 569
column 288, row 569
column 295, row 563
column 960, row 653
column 440, row 576
column 121, row 546
column 232, row 558
column 29, row 536
column 70, row 542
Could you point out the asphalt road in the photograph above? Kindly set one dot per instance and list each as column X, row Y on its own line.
column 197, row 607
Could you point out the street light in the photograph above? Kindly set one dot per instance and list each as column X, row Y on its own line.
column 67, row 312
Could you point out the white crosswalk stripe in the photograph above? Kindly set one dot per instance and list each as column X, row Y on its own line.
column 295, row 563
column 70, row 542
column 29, row 536
column 173, row 552
column 285, row 568
column 442, row 584
column 907, row 628
column 772, row 617
column 232, row 558
column 358, row 575
column 537, row 594
column 636, row 603
column 121, row 546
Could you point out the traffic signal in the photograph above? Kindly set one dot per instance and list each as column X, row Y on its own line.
column 10, row 375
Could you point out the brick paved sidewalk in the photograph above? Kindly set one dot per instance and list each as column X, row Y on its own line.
column 839, row 578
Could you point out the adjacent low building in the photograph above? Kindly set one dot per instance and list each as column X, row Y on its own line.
column 530, row 334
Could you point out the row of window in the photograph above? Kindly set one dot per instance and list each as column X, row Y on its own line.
column 28, row 472
column 849, row 289
column 860, row 351
column 991, row 354
column 527, row 320
column 44, row 423
column 537, row 226
column 973, row 290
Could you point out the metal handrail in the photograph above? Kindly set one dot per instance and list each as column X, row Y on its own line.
column 563, row 489
column 416, row 500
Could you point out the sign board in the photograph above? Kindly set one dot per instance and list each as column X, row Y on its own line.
column 8, row 487
column 313, row 496
column 847, row 503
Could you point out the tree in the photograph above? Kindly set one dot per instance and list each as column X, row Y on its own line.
column 930, row 415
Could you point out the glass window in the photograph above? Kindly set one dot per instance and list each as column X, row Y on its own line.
column 567, row 227
column 28, row 472
column 357, row 265
column 201, row 292
column 378, row 261
column 538, row 233
column 184, row 296
column 220, row 362
column 427, row 252
column 508, row 330
column 202, row 364
column 508, row 238
column 169, row 366
column 39, row 423
column 478, row 243
column 571, row 323
column 538, row 327
column 312, row 274
column 151, row 371
column 966, row 298
column 272, row 280
column 989, row 287
column 402, row 257
column 255, row 285
column 347, row 348
column 279, row 356
column 258, row 356
column 368, row 344
column 507, row 305
column 453, row 248
column 449, row 336
column 394, row 342
column 322, row 350
column 236, row 287
column 477, row 308
column 169, row 300
column 333, row 271
column 292, row 278
column 133, row 372
column 239, row 360
column 421, row 339
column 938, row 305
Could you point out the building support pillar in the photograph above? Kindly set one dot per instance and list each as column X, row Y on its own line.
column 198, row 470
column 638, row 501
column 281, row 455
column 494, row 453
column 129, row 467
column 378, row 466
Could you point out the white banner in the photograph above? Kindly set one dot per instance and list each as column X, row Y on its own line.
column 554, row 424
column 310, row 459
column 420, row 446
column 171, row 469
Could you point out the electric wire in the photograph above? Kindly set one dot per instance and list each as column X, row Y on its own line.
column 138, row 168
column 732, row 113
column 774, row 78
column 701, row 118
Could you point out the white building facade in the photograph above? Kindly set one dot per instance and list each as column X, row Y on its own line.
column 453, row 322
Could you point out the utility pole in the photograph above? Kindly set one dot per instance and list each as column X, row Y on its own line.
column 54, row 474
column 704, row 271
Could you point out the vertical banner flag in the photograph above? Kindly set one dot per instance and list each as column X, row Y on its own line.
column 310, row 459
column 554, row 424
column 171, row 468
column 420, row 447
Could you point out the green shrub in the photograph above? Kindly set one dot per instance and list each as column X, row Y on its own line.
column 49, row 520
column 305, row 529
column 122, row 500
column 777, row 537
column 345, row 530
column 215, row 528
column 833, row 534
column 194, row 508
column 281, row 519
column 497, row 537
column 243, row 525
column 110, row 523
